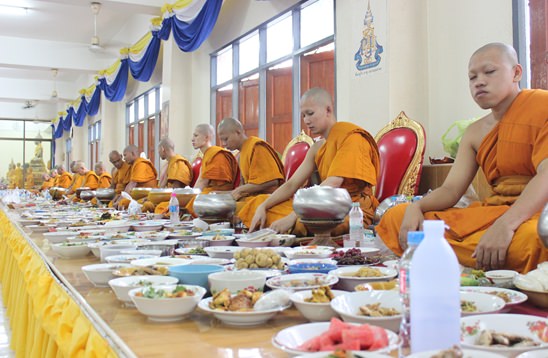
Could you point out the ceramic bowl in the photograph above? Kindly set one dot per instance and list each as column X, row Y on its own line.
column 348, row 282
column 57, row 237
column 484, row 303
column 126, row 258
column 217, row 240
column 71, row 250
column 111, row 250
column 301, row 281
column 251, row 243
column 167, row 309
column 194, row 274
column 117, row 226
column 147, row 226
column 311, row 268
column 236, row 281
column 541, row 353
column 241, row 318
column 314, row 312
column 501, row 278
column 122, row 285
column 510, row 297
column 100, row 274
column 222, row 252
column 322, row 203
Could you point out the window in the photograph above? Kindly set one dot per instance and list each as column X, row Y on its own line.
column 260, row 76
column 143, row 124
column 94, row 140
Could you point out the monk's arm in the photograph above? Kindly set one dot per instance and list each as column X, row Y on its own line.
column 176, row 184
column 201, row 182
column 250, row 188
column 130, row 186
column 492, row 248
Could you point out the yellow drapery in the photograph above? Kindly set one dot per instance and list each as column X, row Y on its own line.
column 45, row 321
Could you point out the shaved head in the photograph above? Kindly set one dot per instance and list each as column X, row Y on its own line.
column 231, row 133
column 230, row 124
column 319, row 96
column 206, row 129
column 99, row 166
column 507, row 52
column 131, row 153
column 167, row 143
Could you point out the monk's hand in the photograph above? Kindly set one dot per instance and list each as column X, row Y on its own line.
column 491, row 250
column 259, row 219
column 412, row 221
column 237, row 193
column 285, row 224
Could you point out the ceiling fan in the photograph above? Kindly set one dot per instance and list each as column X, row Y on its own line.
column 29, row 104
column 54, row 94
column 95, row 44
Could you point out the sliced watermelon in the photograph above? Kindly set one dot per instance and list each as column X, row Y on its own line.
column 311, row 345
column 363, row 334
column 380, row 338
column 336, row 327
column 349, row 345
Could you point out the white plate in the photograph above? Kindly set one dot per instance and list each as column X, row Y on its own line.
column 515, row 297
column 247, row 318
column 532, row 327
column 225, row 252
column 541, row 353
column 290, row 338
column 467, row 353
column 303, row 253
column 125, row 259
column 183, row 234
column 348, row 283
column 484, row 303
column 161, row 261
column 302, row 281
column 147, row 226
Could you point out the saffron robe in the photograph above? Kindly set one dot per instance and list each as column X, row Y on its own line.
column 121, row 177
column 349, row 152
column 105, row 180
column 178, row 169
column 64, row 180
column 77, row 181
column 143, row 173
column 46, row 184
column 221, row 168
column 509, row 156
column 91, row 180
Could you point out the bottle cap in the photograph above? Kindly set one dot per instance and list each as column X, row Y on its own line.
column 173, row 194
column 354, row 204
column 414, row 237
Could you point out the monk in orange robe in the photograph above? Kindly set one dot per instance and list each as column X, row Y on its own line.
column 120, row 177
column 143, row 173
column 261, row 169
column 342, row 142
column 47, row 182
column 54, row 176
column 90, row 178
column 105, row 179
column 511, row 146
column 219, row 168
column 29, row 178
column 177, row 173
column 64, row 178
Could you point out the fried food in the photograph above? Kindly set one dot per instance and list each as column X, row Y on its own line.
column 375, row 310
column 321, row 294
column 365, row 272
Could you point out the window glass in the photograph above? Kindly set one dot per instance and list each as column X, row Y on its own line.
column 279, row 38
column 140, row 107
column 131, row 114
column 151, row 102
column 11, row 129
column 249, row 53
column 312, row 28
column 284, row 64
column 224, row 65
column 37, row 129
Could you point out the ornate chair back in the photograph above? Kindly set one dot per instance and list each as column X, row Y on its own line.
column 196, row 165
column 294, row 153
column 401, row 146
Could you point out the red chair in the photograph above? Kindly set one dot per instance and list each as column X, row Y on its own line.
column 294, row 153
column 196, row 165
column 401, row 146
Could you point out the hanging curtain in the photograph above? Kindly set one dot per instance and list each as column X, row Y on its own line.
column 113, row 81
column 191, row 23
column 58, row 133
column 143, row 56
column 80, row 113
column 94, row 101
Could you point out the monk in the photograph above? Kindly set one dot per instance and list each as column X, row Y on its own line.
column 143, row 173
column 261, row 169
column 54, row 176
column 347, row 157
column 105, row 179
column 121, row 175
column 77, row 179
column 90, row 178
column 47, row 181
column 177, row 173
column 65, row 178
column 219, row 168
column 18, row 177
column 29, row 178
column 511, row 146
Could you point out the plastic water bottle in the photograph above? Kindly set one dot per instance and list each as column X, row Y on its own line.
column 356, row 225
column 174, row 209
column 435, row 299
column 414, row 238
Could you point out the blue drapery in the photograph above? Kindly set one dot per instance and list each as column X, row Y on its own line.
column 58, row 131
column 190, row 36
column 80, row 113
column 117, row 89
column 94, row 102
column 67, row 121
column 142, row 70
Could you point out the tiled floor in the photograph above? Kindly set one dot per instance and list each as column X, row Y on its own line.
column 5, row 334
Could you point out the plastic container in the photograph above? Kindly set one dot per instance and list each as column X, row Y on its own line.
column 414, row 238
column 174, row 209
column 356, row 226
column 435, row 298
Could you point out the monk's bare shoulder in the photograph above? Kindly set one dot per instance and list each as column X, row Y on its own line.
column 479, row 129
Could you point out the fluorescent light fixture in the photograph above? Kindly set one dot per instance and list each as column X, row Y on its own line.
column 13, row 10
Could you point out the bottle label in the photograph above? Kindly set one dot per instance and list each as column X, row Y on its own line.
column 173, row 208
column 404, row 281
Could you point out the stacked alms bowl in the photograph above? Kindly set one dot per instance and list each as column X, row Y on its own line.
column 214, row 205
column 320, row 203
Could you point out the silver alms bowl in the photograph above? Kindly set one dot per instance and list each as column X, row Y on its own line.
column 105, row 194
column 322, row 203
column 87, row 195
column 542, row 227
column 214, row 205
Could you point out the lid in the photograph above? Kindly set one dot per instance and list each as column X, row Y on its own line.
column 355, row 204
column 173, row 194
column 414, row 237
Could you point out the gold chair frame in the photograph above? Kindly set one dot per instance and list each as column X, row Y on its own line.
column 302, row 137
column 408, row 183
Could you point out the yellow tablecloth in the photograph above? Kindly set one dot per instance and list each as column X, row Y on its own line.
column 45, row 321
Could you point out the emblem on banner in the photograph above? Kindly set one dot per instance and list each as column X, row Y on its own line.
column 369, row 53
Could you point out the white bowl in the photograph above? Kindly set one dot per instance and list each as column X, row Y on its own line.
column 219, row 226
column 253, row 243
column 348, row 283
column 161, row 261
column 227, row 241
column 100, row 274
column 147, row 225
column 57, row 237
column 523, row 325
column 501, row 278
column 167, row 309
column 289, row 339
column 484, row 302
column 122, row 285
column 467, row 353
column 112, row 250
column 236, row 281
column 541, row 353
column 223, row 252
column 301, row 281
column 314, row 312
column 241, row 318
column 308, row 253
column 117, row 226
column 348, row 307
column 511, row 297
column 282, row 239
column 183, row 234
column 40, row 228
column 127, row 258
column 71, row 250
column 142, row 252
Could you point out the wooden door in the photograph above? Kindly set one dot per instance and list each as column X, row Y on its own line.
column 279, row 94
column 151, row 139
column 141, row 136
column 223, row 108
column 249, row 106
column 131, row 136
column 318, row 70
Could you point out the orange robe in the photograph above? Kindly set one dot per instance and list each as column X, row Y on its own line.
column 105, row 180
column 221, row 168
column 77, row 181
column 259, row 163
column 64, row 180
column 349, row 152
column 509, row 156
column 144, row 174
column 46, row 184
column 121, row 177
column 91, row 180
column 178, row 169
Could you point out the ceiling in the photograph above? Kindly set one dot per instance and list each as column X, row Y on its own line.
column 56, row 34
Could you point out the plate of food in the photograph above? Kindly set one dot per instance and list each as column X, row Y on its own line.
column 351, row 276
column 302, row 281
column 183, row 234
column 309, row 252
column 510, row 297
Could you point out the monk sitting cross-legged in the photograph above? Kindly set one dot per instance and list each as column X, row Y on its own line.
column 343, row 142
column 47, row 181
column 64, row 178
column 77, row 179
column 177, row 173
column 143, row 173
column 120, row 177
column 510, row 144
column 261, row 169
column 219, row 167
column 105, row 179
